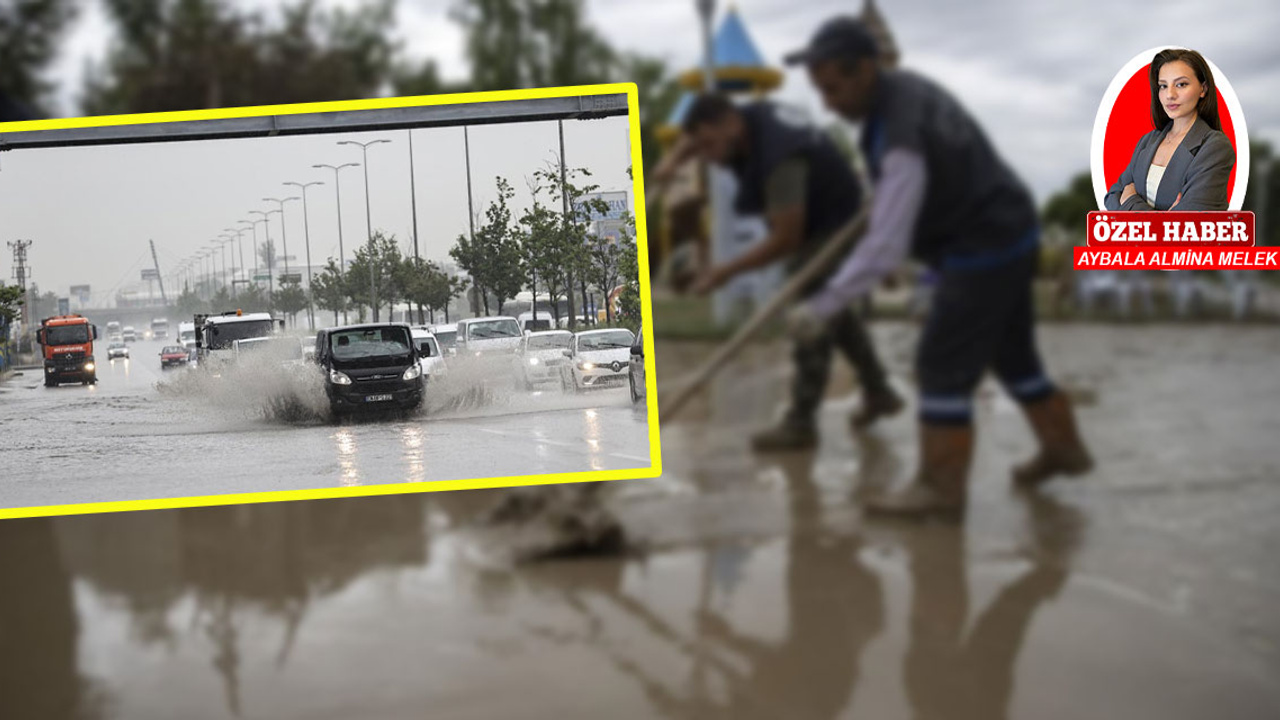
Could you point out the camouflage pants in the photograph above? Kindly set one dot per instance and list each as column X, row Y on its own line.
column 812, row 359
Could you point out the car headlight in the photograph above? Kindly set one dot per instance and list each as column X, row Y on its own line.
column 88, row 365
column 587, row 366
column 533, row 361
column 477, row 353
column 339, row 378
column 413, row 372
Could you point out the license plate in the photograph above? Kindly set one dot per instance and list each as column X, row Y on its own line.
column 377, row 398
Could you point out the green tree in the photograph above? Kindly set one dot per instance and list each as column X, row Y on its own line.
column 268, row 255
column 1068, row 208
column 185, row 54
column 329, row 289
column 493, row 258
column 10, row 303
column 221, row 301
column 253, row 299
column 189, row 304
column 379, row 265
column 30, row 32
column 500, row 239
column 546, row 254
column 291, row 299
column 610, row 260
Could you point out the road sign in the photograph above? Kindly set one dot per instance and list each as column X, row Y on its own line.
column 150, row 274
column 261, row 277
column 291, row 277
column 64, row 306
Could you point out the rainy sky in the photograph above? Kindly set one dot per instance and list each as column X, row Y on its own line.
column 1033, row 73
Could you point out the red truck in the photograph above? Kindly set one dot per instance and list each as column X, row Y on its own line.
column 67, row 344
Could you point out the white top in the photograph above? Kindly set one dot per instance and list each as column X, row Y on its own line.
column 1154, row 176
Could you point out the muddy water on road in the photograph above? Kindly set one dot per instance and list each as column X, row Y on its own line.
column 1148, row 589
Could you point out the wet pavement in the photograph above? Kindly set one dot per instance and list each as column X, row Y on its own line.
column 757, row 590
column 143, row 432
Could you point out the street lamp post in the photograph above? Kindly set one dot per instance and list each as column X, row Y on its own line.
column 239, row 232
column 368, row 221
column 337, row 195
column 271, row 255
column 284, row 233
column 253, row 227
column 306, row 231
column 226, row 240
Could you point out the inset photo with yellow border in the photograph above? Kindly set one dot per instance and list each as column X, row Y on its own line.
column 325, row 300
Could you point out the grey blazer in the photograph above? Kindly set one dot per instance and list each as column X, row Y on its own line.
column 1199, row 170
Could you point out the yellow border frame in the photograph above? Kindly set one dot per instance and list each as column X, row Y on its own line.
column 646, row 305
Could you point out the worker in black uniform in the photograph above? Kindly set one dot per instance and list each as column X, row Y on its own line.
column 944, row 196
column 797, row 179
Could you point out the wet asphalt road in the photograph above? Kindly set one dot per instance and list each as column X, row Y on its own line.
column 146, row 433
column 1147, row 589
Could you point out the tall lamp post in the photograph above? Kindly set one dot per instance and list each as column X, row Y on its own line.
column 227, row 240
column 368, row 220
column 239, row 233
column 270, row 253
column 284, row 233
column 253, row 227
column 337, row 196
column 306, row 231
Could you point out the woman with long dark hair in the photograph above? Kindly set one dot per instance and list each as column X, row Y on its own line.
column 1183, row 164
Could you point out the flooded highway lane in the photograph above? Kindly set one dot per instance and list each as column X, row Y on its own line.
column 125, row 439
column 758, row 590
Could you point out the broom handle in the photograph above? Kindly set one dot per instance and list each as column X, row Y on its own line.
column 829, row 254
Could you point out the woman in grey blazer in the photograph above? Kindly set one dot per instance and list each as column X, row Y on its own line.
column 1185, row 162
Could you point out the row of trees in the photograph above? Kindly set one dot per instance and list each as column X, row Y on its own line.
column 189, row 54
column 550, row 248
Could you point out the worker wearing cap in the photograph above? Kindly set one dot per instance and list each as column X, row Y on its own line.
column 943, row 196
column 796, row 178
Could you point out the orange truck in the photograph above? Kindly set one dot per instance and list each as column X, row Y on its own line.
column 67, row 344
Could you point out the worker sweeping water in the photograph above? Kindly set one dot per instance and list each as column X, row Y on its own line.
column 795, row 177
column 944, row 196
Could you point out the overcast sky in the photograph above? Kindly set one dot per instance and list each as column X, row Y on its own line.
column 1032, row 72
column 91, row 210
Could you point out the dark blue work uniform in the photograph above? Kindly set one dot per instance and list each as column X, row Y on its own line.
column 978, row 229
column 832, row 195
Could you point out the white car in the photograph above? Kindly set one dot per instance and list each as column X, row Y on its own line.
column 128, row 334
column 282, row 348
column 117, row 349
column 430, row 358
column 598, row 358
column 446, row 336
column 489, row 336
column 636, row 373
column 545, row 321
column 542, row 356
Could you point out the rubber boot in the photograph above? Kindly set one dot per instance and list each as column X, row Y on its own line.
column 940, row 488
column 788, row 435
column 882, row 404
column 1061, row 449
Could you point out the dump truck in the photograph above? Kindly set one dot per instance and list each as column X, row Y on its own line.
column 66, row 342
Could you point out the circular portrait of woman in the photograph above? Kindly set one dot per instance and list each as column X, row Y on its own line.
column 1170, row 135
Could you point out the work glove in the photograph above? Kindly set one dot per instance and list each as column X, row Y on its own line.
column 804, row 324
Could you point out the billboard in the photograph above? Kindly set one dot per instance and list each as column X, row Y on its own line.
column 81, row 293
column 617, row 202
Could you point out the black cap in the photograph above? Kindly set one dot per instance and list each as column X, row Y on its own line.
column 843, row 36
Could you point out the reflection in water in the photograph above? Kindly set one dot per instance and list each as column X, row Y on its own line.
column 411, row 436
column 234, row 563
column 953, row 674
column 39, row 632
column 345, row 439
column 591, row 433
